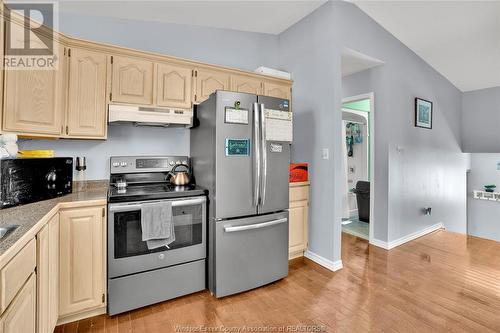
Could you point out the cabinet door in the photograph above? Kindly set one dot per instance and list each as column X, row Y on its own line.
column 208, row 81
column 297, row 227
column 53, row 272
column 34, row 100
column 82, row 260
column 47, row 242
column 174, row 86
column 277, row 90
column 132, row 81
column 246, row 84
column 87, row 94
column 21, row 314
column 43, row 279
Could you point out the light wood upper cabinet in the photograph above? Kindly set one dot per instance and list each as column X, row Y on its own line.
column 34, row 100
column 21, row 314
column 208, row 81
column 277, row 90
column 246, row 84
column 132, row 80
column 48, row 276
column 82, row 260
column 174, row 86
column 86, row 116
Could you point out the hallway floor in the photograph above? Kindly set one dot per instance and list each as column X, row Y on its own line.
column 353, row 226
column 440, row 282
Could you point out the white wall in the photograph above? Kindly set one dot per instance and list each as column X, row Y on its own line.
column 482, row 215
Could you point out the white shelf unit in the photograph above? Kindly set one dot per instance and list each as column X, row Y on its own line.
column 490, row 196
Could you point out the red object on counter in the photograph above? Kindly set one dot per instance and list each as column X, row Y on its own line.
column 298, row 172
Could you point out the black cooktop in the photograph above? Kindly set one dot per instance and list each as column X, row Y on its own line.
column 139, row 192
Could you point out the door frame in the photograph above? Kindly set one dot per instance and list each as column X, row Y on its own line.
column 371, row 120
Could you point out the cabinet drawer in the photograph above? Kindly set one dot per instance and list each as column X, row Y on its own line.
column 15, row 273
column 299, row 193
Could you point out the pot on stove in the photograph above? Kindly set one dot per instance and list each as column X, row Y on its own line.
column 179, row 178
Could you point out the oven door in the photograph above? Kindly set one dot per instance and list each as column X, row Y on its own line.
column 128, row 254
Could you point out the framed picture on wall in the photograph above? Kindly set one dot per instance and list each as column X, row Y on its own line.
column 423, row 113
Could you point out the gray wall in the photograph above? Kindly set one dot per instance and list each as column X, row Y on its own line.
column 242, row 50
column 122, row 140
column 482, row 216
column 481, row 121
column 311, row 50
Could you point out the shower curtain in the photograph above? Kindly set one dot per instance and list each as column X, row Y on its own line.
column 344, row 183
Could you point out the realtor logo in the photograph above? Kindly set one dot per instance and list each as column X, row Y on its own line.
column 29, row 37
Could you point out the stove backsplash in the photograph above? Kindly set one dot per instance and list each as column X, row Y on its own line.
column 122, row 140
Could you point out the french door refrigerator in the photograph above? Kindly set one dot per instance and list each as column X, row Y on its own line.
column 240, row 152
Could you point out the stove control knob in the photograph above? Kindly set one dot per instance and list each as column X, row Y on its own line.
column 123, row 164
column 171, row 163
column 178, row 162
column 116, row 164
column 185, row 162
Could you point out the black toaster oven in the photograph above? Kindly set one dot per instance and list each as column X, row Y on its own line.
column 25, row 180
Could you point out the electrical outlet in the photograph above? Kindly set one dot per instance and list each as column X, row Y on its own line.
column 325, row 153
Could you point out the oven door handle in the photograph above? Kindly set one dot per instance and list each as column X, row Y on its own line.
column 124, row 208
column 178, row 203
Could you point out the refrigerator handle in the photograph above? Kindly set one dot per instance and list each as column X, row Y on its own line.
column 264, row 153
column 256, row 145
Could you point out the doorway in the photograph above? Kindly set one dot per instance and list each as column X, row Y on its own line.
column 358, row 166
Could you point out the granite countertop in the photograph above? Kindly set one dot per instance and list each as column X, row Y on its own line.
column 27, row 216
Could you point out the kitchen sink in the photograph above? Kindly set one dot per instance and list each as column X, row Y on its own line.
column 6, row 230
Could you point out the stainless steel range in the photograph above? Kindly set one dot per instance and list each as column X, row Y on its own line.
column 138, row 275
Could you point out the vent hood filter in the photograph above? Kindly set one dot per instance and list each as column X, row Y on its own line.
column 144, row 116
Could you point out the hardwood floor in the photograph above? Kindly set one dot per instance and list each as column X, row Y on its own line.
column 440, row 282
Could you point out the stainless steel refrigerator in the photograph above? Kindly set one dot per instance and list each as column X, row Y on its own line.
column 241, row 152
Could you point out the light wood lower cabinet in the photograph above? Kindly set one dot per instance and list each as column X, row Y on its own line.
column 48, row 276
column 86, row 113
column 298, row 219
column 21, row 314
column 15, row 273
column 82, row 260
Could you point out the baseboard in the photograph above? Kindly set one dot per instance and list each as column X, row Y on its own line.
column 295, row 254
column 81, row 315
column 379, row 243
column 331, row 265
column 406, row 239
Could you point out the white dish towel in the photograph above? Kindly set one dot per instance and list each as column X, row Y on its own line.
column 157, row 224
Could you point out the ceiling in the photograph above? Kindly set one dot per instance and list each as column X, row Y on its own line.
column 460, row 39
column 272, row 17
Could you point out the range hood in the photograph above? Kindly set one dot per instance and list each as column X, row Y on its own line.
column 146, row 116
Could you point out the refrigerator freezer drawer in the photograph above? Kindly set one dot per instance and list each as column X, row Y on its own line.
column 250, row 253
